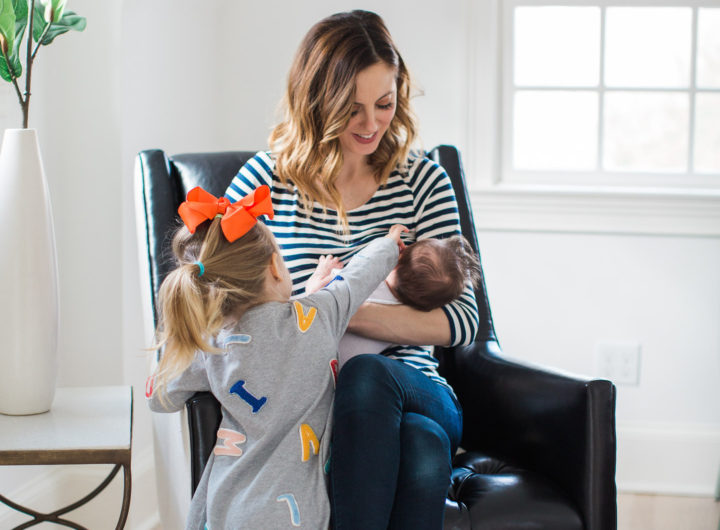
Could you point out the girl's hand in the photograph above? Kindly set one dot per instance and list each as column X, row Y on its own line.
column 394, row 234
column 323, row 273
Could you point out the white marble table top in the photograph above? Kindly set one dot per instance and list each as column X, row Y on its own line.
column 82, row 418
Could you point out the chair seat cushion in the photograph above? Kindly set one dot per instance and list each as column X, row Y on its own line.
column 492, row 495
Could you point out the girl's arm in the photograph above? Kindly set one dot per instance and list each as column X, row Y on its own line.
column 193, row 379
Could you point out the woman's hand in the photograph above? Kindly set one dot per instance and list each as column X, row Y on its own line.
column 323, row 273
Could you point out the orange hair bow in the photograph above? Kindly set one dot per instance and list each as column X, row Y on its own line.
column 237, row 217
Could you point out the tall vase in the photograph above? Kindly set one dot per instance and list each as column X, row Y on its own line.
column 28, row 279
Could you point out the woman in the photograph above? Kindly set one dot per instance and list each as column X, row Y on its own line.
column 341, row 174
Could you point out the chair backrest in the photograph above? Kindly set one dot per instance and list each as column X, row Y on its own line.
column 161, row 183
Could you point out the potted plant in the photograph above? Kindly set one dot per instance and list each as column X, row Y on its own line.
column 28, row 264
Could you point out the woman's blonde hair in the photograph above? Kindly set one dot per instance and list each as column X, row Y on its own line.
column 319, row 100
column 194, row 302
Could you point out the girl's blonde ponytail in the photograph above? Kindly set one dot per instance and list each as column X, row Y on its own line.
column 193, row 307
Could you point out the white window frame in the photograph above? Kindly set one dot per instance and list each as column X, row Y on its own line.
column 611, row 203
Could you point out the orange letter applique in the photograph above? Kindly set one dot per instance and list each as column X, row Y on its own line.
column 334, row 369
column 149, row 383
column 304, row 320
column 232, row 440
column 307, row 438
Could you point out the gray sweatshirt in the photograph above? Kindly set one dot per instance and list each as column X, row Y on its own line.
column 275, row 380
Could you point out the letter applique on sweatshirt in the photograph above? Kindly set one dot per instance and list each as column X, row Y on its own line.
column 334, row 369
column 149, row 383
column 231, row 441
column 308, row 438
column 256, row 403
column 293, row 506
column 304, row 320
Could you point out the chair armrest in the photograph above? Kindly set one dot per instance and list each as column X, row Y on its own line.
column 204, row 415
column 560, row 426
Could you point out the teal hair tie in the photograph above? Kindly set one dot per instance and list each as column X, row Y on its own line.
column 201, row 267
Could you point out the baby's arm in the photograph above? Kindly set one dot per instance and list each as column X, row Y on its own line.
column 171, row 399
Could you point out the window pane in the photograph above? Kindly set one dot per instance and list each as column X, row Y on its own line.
column 708, row 49
column 707, row 133
column 557, row 46
column 646, row 131
column 555, row 130
column 648, row 46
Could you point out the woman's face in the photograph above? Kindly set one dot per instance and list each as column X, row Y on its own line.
column 373, row 110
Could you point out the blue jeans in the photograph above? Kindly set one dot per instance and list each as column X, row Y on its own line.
column 395, row 431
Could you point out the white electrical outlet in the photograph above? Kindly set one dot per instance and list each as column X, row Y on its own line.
column 618, row 361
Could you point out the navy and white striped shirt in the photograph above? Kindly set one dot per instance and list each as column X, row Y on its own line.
column 420, row 197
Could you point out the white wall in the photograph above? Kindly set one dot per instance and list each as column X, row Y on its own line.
column 555, row 295
column 167, row 74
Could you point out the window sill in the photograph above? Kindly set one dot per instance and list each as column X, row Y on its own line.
column 658, row 211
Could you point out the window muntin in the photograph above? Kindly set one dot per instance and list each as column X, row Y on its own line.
column 605, row 94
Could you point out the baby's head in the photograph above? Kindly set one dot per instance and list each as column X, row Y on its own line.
column 433, row 272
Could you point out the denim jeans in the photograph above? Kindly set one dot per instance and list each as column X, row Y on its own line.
column 395, row 431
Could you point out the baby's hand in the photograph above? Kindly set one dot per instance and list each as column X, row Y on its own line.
column 394, row 234
column 323, row 273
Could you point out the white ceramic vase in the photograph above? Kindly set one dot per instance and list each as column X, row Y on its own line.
column 28, row 279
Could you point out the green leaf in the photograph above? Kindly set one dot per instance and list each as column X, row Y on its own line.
column 21, row 13
column 7, row 26
column 39, row 23
column 69, row 21
column 54, row 10
column 16, row 67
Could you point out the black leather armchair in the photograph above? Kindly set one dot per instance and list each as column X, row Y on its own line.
column 539, row 445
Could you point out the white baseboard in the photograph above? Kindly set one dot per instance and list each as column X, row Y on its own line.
column 152, row 523
column 668, row 458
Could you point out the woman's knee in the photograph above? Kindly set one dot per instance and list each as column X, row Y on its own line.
column 366, row 378
column 425, row 450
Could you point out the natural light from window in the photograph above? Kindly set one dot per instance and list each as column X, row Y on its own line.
column 609, row 90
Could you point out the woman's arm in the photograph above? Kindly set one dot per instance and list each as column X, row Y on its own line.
column 401, row 324
column 436, row 215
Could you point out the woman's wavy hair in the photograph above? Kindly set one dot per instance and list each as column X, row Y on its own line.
column 319, row 101
column 194, row 305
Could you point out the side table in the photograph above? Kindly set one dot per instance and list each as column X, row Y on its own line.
column 84, row 426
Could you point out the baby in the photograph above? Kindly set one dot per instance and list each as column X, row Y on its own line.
column 430, row 273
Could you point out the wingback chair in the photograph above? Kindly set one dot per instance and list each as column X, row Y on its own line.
column 539, row 446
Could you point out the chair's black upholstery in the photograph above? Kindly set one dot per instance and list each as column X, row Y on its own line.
column 540, row 446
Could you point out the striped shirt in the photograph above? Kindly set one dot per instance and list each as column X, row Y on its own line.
column 419, row 196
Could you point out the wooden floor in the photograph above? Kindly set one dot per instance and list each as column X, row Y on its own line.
column 657, row 512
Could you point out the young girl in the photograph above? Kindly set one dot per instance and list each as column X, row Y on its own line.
column 227, row 326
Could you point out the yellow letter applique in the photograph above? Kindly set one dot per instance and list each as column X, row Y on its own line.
column 232, row 440
column 304, row 320
column 307, row 438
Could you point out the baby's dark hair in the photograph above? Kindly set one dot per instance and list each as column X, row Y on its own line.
column 434, row 272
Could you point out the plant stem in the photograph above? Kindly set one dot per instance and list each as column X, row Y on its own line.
column 39, row 42
column 28, row 65
column 14, row 79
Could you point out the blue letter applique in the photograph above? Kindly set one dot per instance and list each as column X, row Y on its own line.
column 246, row 396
